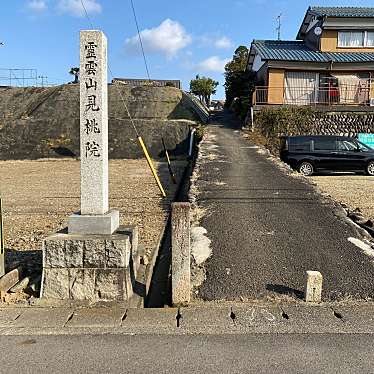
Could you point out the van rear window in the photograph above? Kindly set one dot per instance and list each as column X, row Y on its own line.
column 300, row 145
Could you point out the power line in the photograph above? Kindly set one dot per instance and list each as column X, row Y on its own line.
column 87, row 16
column 140, row 39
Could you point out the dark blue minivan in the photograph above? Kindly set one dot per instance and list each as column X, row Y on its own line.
column 309, row 153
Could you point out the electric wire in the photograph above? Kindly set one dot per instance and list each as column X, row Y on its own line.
column 140, row 40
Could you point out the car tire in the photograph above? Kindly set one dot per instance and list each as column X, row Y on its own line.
column 370, row 168
column 306, row 168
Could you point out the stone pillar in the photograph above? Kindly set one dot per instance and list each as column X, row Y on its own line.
column 94, row 122
column 94, row 217
column 94, row 259
column 181, row 253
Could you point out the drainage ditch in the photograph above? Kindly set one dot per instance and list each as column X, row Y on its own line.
column 159, row 294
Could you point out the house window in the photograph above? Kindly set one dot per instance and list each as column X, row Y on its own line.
column 356, row 39
column 370, row 39
column 351, row 39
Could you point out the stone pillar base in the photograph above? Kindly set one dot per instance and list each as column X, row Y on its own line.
column 104, row 224
column 89, row 267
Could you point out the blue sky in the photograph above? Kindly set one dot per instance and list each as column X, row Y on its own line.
column 182, row 38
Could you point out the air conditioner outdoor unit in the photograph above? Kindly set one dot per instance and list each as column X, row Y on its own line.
column 372, row 101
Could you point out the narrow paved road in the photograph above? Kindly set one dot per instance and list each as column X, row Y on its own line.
column 267, row 227
column 263, row 353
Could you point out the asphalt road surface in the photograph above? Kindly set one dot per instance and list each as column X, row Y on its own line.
column 264, row 353
column 268, row 228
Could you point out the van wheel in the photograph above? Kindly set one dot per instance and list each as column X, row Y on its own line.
column 306, row 168
column 370, row 168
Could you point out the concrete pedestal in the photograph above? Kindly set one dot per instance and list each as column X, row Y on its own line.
column 101, row 224
column 89, row 267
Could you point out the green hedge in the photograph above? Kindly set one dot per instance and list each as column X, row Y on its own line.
column 271, row 123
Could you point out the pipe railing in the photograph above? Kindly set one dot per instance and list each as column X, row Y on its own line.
column 343, row 95
column 201, row 110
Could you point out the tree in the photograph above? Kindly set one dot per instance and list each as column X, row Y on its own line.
column 204, row 88
column 239, row 82
column 75, row 72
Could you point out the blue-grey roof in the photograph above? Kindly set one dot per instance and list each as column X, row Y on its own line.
column 298, row 51
column 343, row 11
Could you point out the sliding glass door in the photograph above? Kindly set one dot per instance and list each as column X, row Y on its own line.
column 301, row 88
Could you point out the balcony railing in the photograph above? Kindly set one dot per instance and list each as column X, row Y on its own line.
column 342, row 95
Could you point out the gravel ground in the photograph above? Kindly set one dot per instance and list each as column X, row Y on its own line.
column 353, row 190
column 38, row 196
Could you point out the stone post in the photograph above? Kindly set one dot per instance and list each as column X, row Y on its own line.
column 313, row 289
column 94, row 122
column 94, row 217
column 181, row 257
column 93, row 259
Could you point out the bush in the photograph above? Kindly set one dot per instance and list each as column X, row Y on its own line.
column 271, row 123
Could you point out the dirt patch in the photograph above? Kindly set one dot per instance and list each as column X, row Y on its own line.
column 38, row 197
column 352, row 190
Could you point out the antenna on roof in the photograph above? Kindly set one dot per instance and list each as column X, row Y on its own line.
column 279, row 19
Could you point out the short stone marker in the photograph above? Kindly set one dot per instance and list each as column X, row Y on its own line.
column 93, row 258
column 181, row 253
column 313, row 289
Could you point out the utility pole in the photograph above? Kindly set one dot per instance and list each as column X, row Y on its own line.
column 42, row 77
column 279, row 19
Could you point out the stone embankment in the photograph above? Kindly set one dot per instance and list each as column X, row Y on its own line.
column 345, row 124
column 293, row 120
column 40, row 122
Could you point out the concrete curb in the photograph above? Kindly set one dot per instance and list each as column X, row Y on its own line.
column 223, row 319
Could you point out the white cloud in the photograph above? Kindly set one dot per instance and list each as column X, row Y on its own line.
column 168, row 38
column 37, row 5
column 224, row 43
column 74, row 7
column 213, row 64
column 212, row 40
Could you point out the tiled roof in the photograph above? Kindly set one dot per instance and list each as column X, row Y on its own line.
column 298, row 51
column 343, row 11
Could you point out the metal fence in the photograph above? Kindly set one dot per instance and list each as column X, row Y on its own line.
column 18, row 77
column 26, row 78
column 342, row 95
column 146, row 82
column 201, row 110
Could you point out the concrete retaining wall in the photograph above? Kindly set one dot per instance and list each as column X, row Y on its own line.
column 44, row 122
